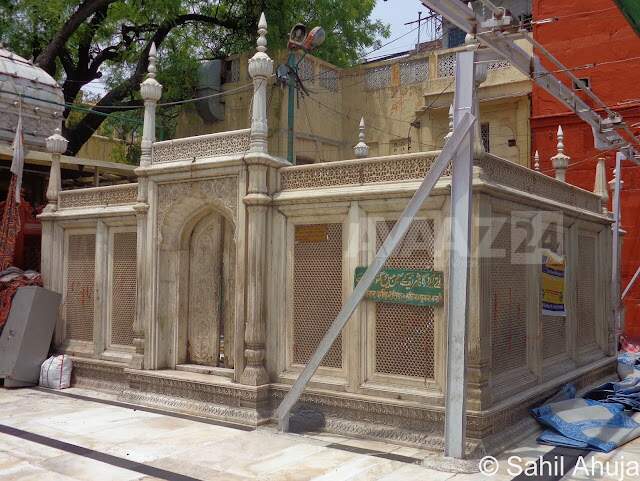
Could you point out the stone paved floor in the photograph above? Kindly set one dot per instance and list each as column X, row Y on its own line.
column 46, row 436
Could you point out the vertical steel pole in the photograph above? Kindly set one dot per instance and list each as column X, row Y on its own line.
column 615, row 268
column 460, row 251
column 291, row 62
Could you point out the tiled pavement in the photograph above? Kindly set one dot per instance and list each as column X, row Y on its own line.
column 47, row 436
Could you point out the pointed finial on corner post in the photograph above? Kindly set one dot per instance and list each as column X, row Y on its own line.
column 260, row 70
column 560, row 161
column 536, row 161
column 361, row 149
column 600, row 187
column 262, row 34
column 153, row 56
column 450, row 131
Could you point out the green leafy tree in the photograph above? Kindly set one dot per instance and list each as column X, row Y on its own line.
column 80, row 42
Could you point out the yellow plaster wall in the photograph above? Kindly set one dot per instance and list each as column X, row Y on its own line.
column 399, row 117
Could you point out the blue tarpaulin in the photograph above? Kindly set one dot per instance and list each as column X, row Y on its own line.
column 605, row 418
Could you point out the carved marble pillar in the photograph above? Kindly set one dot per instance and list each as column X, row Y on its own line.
column 257, row 203
column 151, row 91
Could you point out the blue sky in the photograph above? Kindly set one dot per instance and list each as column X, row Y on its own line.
column 396, row 13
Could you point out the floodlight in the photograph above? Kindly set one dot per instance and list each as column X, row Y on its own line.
column 314, row 39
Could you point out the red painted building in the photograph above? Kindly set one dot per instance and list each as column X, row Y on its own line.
column 595, row 39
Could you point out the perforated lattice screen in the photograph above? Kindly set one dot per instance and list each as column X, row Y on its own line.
column 586, row 290
column 79, row 292
column 405, row 334
column 508, row 304
column 123, row 288
column 446, row 65
column 317, row 294
column 554, row 336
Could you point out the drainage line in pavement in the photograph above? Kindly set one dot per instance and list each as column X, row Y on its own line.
column 135, row 407
column 96, row 455
column 375, row 453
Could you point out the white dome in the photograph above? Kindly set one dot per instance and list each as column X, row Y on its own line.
column 42, row 100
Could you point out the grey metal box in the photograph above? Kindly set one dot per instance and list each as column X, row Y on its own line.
column 26, row 337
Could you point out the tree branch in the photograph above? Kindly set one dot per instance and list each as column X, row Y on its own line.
column 47, row 58
column 89, row 124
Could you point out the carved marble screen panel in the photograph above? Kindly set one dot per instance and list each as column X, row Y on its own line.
column 317, row 294
column 508, row 300
column 80, row 286
column 404, row 334
column 554, row 336
column 586, row 289
column 123, row 287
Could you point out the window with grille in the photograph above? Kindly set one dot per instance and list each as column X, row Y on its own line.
column 80, row 286
column 317, row 291
column 455, row 37
column 404, row 334
column 378, row 77
column 123, row 287
column 485, row 136
column 508, row 291
column 586, row 291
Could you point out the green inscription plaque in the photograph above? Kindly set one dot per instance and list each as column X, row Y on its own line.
column 419, row 287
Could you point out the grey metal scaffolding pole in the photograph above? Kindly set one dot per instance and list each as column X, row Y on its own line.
column 460, row 247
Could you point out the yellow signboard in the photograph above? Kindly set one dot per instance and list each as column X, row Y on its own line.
column 311, row 233
column 553, row 283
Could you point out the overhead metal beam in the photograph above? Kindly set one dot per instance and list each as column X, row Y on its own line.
column 466, row 19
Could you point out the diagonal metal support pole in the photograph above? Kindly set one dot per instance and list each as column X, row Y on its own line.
column 458, row 290
column 631, row 284
column 461, row 132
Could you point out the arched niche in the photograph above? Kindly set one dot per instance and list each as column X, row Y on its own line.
column 196, row 240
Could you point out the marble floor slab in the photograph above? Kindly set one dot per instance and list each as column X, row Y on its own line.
column 46, row 436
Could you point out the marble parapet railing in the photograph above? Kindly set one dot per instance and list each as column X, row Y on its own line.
column 529, row 181
column 98, row 196
column 407, row 167
column 390, row 168
column 201, row 146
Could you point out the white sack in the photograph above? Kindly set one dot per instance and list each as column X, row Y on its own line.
column 55, row 372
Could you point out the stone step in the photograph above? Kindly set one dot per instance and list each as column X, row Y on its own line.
column 197, row 368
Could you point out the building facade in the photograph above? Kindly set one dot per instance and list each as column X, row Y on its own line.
column 404, row 101
column 206, row 286
column 593, row 38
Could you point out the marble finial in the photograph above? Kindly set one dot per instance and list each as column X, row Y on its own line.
column 600, row 185
column 450, row 131
column 560, row 161
column 153, row 56
column 560, row 140
column 262, row 34
column 536, row 161
column 361, row 149
column 56, row 143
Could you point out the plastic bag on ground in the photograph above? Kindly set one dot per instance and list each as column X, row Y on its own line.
column 55, row 372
